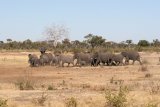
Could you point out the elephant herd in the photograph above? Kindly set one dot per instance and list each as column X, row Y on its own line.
column 83, row 59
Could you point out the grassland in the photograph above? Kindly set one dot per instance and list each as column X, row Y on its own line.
column 87, row 85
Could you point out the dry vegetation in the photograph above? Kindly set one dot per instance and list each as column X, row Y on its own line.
column 49, row 86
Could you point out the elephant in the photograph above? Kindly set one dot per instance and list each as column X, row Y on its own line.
column 105, row 58
column 46, row 58
column 33, row 60
column 83, row 57
column 131, row 55
column 117, row 59
column 65, row 59
column 42, row 50
column 55, row 60
column 95, row 62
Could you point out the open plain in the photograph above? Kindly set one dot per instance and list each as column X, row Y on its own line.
column 87, row 85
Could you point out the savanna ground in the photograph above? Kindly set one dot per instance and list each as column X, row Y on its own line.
column 87, row 85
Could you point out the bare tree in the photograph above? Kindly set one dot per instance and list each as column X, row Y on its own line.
column 55, row 33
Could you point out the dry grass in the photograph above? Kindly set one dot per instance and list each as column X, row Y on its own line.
column 71, row 102
column 40, row 101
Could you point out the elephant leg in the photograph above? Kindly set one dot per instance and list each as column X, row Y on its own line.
column 68, row 64
column 122, row 63
column 133, row 62
column 140, row 62
column 62, row 64
column 127, row 62
column 73, row 63
column 79, row 62
column 98, row 61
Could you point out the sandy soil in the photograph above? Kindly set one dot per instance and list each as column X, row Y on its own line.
column 86, row 84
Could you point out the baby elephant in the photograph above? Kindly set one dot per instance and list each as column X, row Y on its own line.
column 33, row 60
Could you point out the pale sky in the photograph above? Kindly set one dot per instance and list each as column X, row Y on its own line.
column 115, row 20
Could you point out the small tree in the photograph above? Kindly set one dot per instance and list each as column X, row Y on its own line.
column 55, row 33
column 9, row 40
column 1, row 42
column 156, row 42
column 143, row 43
column 129, row 42
column 66, row 43
column 94, row 40
column 75, row 43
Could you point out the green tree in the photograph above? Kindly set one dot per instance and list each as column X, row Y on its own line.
column 94, row 40
column 66, row 43
column 143, row 43
column 129, row 42
column 156, row 42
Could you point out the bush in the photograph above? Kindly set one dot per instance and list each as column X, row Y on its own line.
column 25, row 85
column 40, row 100
column 116, row 99
column 148, row 75
column 51, row 87
column 143, row 43
column 71, row 102
column 3, row 103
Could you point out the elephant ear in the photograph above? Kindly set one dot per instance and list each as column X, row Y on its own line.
column 42, row 50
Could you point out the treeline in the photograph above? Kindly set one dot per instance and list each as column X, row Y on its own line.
column 90, row 43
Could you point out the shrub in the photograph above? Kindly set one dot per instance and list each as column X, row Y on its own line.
column 25, row 85
column 71, row 102
column 112, row 80
column 116, row 99
column 51, row 87
column 3, row 103
column 148, row 75
column 40, row 100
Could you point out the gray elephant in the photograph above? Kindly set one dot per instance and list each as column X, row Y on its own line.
column 55, row 60
column 65, row 59
column 117, row 59
column 33, row 60
column 131, row 55
column 42, row 50
column 105, row 58
column 46, row 58
column 83, row 57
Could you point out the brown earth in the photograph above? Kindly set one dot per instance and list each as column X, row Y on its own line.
column 86, row 84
